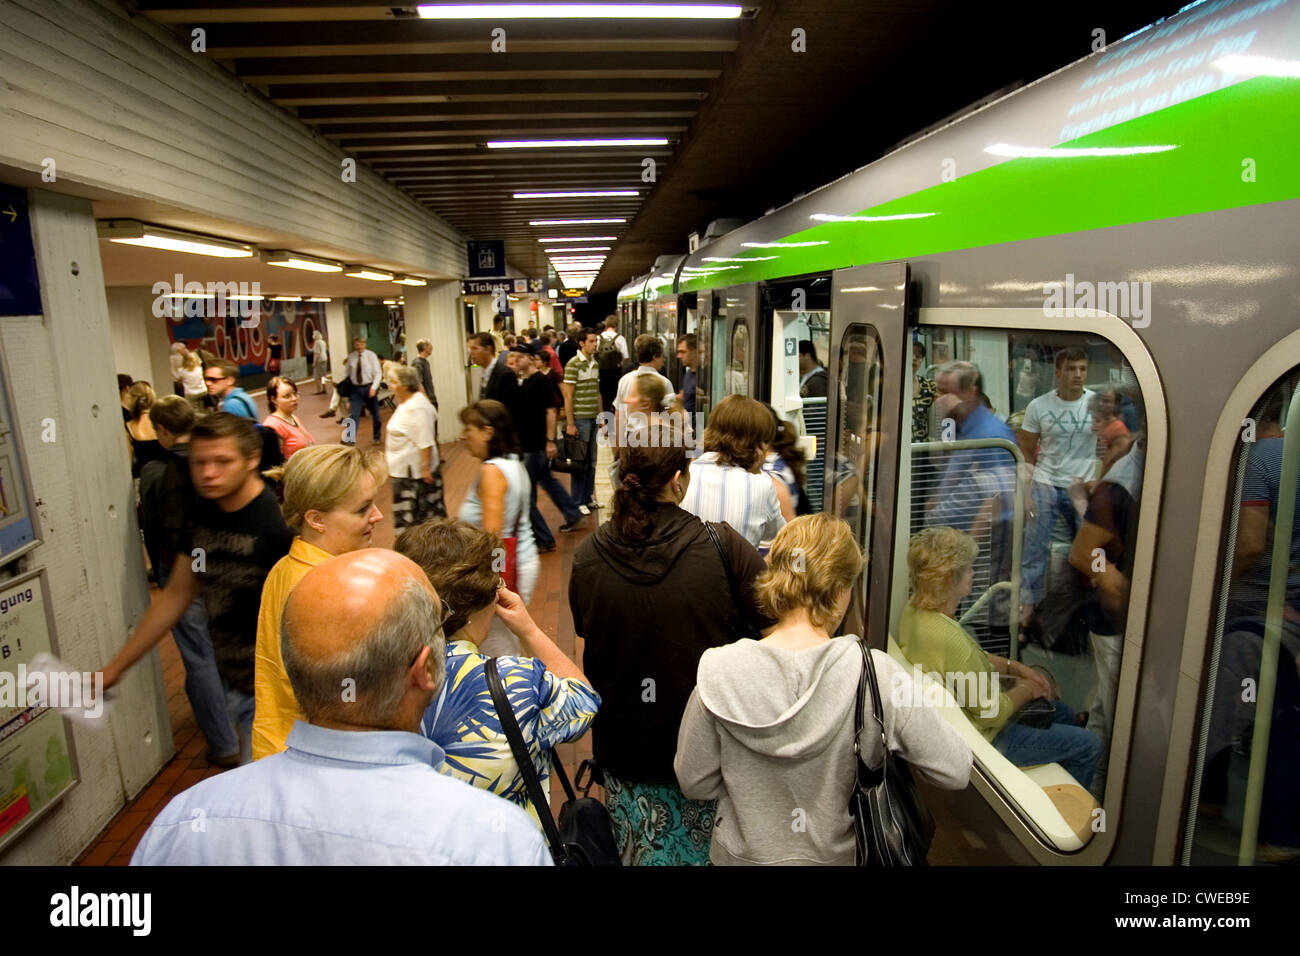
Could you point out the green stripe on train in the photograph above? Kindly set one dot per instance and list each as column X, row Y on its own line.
column 1027, row 198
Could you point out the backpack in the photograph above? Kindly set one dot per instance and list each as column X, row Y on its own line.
column 608, row 357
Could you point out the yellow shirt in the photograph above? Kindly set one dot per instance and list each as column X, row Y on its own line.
column 275, row 706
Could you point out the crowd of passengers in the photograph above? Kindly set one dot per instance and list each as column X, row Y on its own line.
column 719, row 701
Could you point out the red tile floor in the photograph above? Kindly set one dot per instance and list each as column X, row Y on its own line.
column 550, row 608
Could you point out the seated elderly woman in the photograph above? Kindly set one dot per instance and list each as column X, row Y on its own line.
column 552, row 699
column 940, row 562
column 769, row 725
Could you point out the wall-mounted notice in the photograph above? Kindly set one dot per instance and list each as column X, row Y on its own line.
column 17, row 527
column 20, row 289
column 36, row 763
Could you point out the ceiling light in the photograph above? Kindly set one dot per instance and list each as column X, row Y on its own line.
column 390, row 302
column 411, row 280
column 131, row 232
column 361, row 272
column 579, row 239
column 286, row 298
column 244, row 298
column 572, row 222
column 581, row 249
column 572, row 143
column 319, row 298
column 555, row 11
column 1069, row 152
column 191, row 295
column 291, row 260
column 578, row 194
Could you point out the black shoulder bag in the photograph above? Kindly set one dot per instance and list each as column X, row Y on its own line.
column 891, row 822
column 742, row 625
column 585, row 835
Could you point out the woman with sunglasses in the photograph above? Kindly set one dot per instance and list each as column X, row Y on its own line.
column 552, row 699
column 329, row 499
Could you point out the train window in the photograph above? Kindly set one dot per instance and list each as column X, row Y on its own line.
column 1018, row 516
column 703, row 384
column 738, row 367
column 1246, row 790
column 856, row 447
column 720, row 351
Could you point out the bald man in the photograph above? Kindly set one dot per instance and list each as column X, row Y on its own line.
column 364, row 650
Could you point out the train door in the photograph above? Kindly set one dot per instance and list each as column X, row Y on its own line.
column 860, row 462
column 686, row 322
column 705, row 305
column 735, row 368
column 796, row 321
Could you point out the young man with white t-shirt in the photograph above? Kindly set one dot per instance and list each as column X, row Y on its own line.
column 1056, row 438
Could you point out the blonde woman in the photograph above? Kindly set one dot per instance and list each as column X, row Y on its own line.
column 769, row 726
column 940, row 563
column 141, row 439
column 329, row 499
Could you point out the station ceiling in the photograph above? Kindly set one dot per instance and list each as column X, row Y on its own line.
column 751, row 119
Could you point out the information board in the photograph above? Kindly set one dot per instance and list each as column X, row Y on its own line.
column 36, row 761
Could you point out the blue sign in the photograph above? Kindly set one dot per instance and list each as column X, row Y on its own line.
column 487, row 258
column 20, row 289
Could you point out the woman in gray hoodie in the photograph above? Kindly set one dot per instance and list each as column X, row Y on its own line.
column 768, row 730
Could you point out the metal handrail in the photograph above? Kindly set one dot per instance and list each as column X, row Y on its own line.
column 1017, row 524
column 1283, row 526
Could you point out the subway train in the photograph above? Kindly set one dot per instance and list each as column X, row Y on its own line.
column 1141, row 205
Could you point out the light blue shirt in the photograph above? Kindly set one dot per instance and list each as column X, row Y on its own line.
column 342, row 798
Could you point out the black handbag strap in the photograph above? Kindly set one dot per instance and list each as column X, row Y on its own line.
column 867, row 682
column 506, row 714
column 716, row 538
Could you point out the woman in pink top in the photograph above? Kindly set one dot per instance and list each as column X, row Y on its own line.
column 282, row 400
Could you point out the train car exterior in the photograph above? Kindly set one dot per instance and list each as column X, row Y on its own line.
column 1133, row 217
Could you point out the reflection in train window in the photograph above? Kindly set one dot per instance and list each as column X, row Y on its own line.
column 738, row 367
column 1246, row 794
column 1019, row 518
column 703, row 382
column 857, row 444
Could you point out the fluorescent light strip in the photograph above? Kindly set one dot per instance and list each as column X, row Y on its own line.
column 572, row 222
column 412, row 280
column 1257, row 65
column 577, row 194
column 290, row 260
column 191, row 295
column 319, row 298
column 580, row 239
column 558, row 11
column 1069, row 152
column 581, row 249
column 286, row 298
column 572, row 143
column 827, row 217
column 361, row 272
column 132, row 232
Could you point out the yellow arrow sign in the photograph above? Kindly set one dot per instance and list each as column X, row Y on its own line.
column 11, row 213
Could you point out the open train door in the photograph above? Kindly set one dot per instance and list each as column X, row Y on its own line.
column 867, row 363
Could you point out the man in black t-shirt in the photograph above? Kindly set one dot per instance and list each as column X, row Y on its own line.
column 534, row 408
column 234, row 535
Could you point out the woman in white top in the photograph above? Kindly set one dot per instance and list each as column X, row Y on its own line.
column 196, row 390
column 498, row 499
column 413, row 463
column 726, row 481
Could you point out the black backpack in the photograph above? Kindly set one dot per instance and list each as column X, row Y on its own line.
column 608, row 357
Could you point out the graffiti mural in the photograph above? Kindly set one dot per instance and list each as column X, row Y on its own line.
column 228, row 338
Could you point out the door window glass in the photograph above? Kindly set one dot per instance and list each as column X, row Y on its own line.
column 1020, row 512
column 738, row 367
column 1246, row 792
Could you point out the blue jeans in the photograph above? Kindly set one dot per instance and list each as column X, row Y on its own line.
column 1049, row 501
column 202, row 682
column 1073, row 747
column 583, row 487
column 539, row 470
column 240, row 707
column 361, row 398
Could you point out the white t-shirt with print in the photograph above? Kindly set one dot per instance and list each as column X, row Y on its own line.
column 1067, row 447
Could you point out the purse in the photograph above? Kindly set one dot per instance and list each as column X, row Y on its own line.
column 891, row 823
column 570, row 456
column 510, row 574
column 585, row 834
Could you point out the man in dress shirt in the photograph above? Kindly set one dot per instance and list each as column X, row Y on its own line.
column 363, row 368
column 499, row 381
column 357, row 784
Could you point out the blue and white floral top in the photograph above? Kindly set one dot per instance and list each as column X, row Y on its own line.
column 462, row 721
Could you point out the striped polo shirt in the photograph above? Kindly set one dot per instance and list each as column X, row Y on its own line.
column 584, row 375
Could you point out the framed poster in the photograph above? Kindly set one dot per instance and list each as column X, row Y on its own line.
column 18, row 531
column 37, row 764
